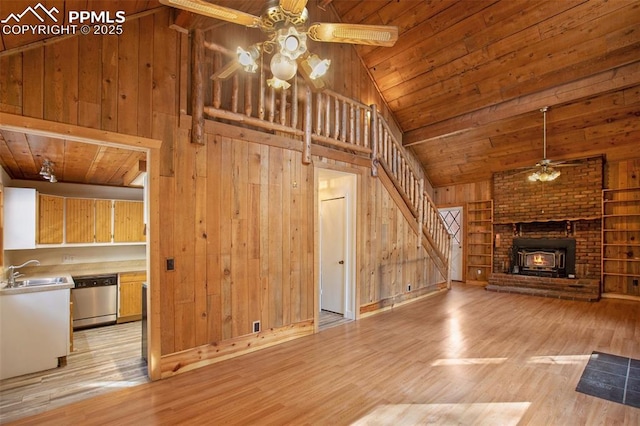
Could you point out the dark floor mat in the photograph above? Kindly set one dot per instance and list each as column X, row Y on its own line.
column 613, row 378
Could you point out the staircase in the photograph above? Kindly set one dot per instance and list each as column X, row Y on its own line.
column 324, row 118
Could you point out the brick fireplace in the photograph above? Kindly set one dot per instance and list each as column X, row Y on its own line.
column 555, row 224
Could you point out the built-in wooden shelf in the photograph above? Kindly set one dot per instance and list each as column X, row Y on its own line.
column 479, row 243
column 621, row 241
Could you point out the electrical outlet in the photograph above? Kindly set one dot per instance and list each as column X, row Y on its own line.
column 408, row 287
column 67, row 258
column 170, row 264
column 256, row 326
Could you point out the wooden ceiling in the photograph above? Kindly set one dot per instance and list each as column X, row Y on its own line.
column 467, row 78
column 22, row 156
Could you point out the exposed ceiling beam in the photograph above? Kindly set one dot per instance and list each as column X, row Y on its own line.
column 134, row 172
column 615, row 79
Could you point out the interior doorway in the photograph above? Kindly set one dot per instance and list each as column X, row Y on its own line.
column 452, row 217
column 333, row 226
column 151, row 148
column 337, row 235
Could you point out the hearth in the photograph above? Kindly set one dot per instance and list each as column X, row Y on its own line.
column 544, row 257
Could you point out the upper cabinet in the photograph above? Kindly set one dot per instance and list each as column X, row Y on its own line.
column 80, row 221
column 32, row 219
column 50, row 217
column 128, row 221
column 103, row 210
column 19, row 218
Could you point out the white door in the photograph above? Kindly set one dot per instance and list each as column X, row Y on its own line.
column 452, row 218
column 332, row 254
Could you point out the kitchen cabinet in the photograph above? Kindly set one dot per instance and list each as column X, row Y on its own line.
column 103, row 210
column 87, row 220
column 31, row 219
column 50, row 219
column 130, row 296
column 79, row 220
column 19, row 218
column 35, row 331
column 128, row 221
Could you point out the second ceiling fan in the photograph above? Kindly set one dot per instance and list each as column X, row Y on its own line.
column 285, row 24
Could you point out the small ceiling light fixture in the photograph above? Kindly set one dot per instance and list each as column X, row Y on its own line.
column 546, row 172
column 46, row 171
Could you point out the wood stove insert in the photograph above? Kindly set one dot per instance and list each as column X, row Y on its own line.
column 544, row 257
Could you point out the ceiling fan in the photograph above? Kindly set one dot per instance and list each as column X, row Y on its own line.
column 545, row 169
column 285, row 24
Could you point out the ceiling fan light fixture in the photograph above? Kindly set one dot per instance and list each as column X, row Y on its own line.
column 546, row 175
column 277, row 83
column 292, row 42
column 282, row 67
column 316, row 67
column 247, row 58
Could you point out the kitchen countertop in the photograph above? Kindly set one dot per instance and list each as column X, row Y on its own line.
column 78, row 269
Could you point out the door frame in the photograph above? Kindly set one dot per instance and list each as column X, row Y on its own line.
column 351, row 191
column 151, row 147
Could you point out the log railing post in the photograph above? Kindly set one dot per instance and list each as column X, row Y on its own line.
column 197, row 88
column 294, row 104
column 308, row 125
column 374, row 140
column 420, row 211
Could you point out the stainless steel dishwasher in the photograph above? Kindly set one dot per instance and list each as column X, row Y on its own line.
column 95, row 300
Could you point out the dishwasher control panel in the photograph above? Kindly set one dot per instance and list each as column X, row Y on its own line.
column 95, row 281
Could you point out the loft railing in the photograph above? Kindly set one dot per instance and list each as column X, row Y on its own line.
column 323, row 118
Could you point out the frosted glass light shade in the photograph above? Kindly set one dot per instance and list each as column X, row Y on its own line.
column 282, row 67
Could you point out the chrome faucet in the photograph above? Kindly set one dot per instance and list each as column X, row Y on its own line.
column 11, row 281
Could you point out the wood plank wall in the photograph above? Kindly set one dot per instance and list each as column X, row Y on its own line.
column 236, row 214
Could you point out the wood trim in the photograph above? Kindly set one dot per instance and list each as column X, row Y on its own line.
column 191, row 359
column 619, row 296
column 401, row 299
column 70, row 132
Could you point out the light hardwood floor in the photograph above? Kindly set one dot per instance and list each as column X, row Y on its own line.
column 104, row 359
column 460, row 357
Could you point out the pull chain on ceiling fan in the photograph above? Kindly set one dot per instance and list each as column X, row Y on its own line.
column 284, row 23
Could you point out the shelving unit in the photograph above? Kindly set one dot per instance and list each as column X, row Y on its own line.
column 479, row 241
column 621, row 242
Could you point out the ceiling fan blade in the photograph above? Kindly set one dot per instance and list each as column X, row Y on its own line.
column 373, row 35
column 226, row 71
column 294, row 7
column 211, row 10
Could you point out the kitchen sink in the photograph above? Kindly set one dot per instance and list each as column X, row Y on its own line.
column 34, row 282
